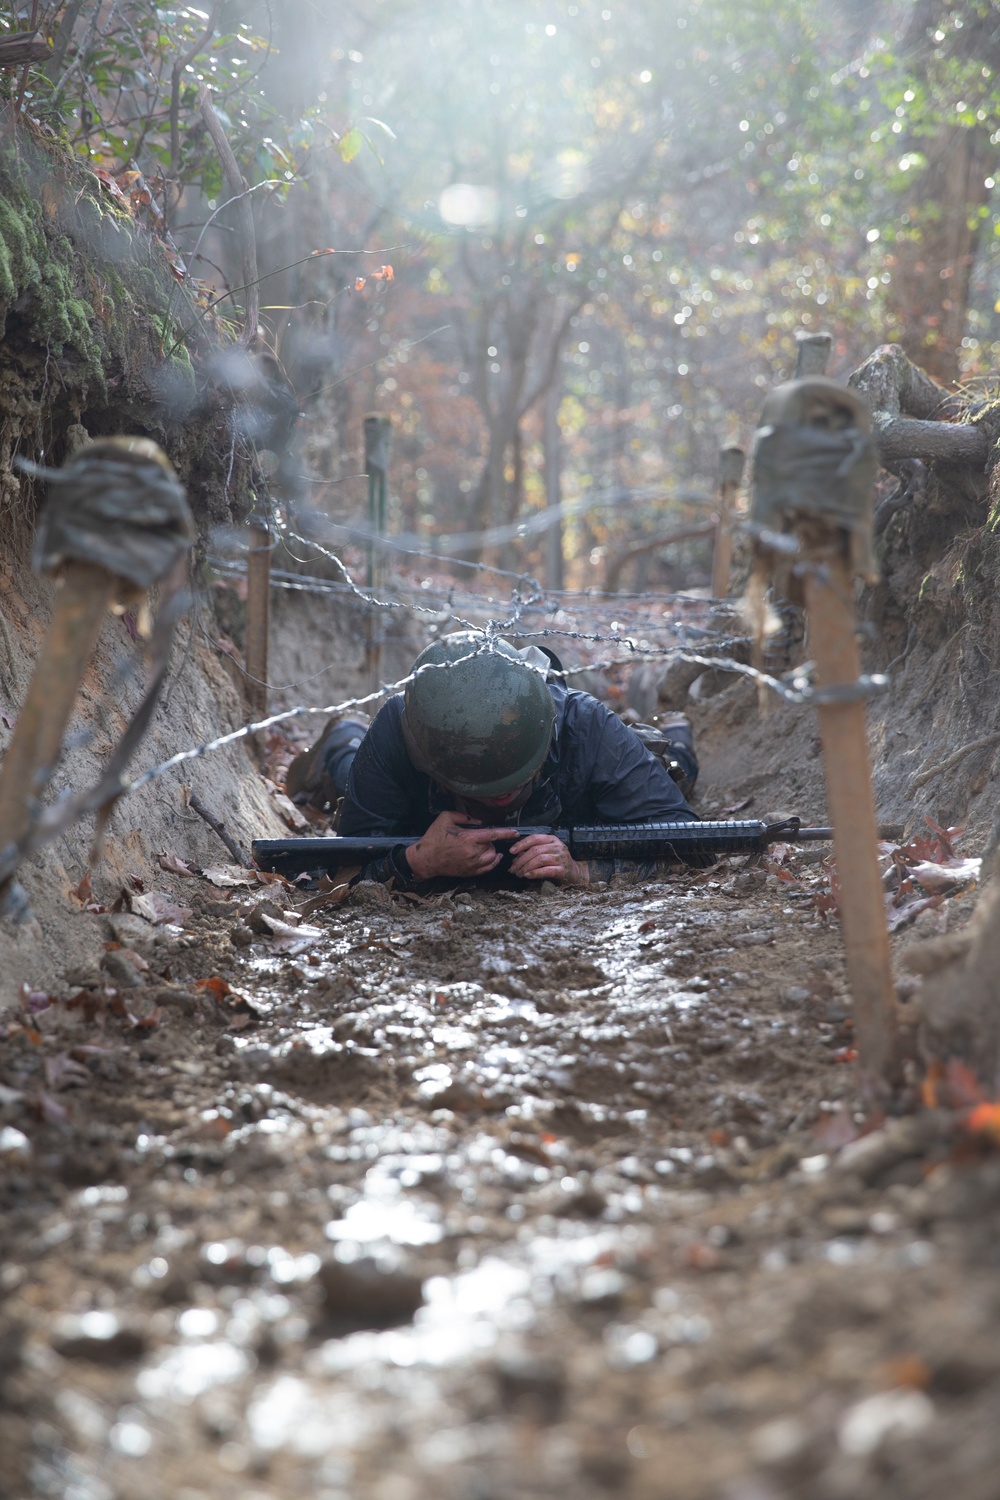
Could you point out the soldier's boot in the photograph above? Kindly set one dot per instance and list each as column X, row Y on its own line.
column 318, row 776
column 671, row 740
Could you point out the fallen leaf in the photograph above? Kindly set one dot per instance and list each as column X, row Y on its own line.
column 271, row 877
column 836, row 1128
column 929, row 1087
column 902, row 916
column 146, row 1023
column 702, row 1256
column 962, row 1085
column 985, row 1120
column 34, row 1001
column 934, row 877
column 215, row 1128
column 157, row 908
column 289, row 939
column 237, row 1007
column 62, row 1072
column 332, row 895
column 947, row 837
column 216, row 986
column 905, row 1369
column 174, row 865
column 50, row 1110
column 228, row 875
column 136, row 959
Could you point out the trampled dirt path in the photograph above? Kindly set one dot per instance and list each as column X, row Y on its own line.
column 509, row 1195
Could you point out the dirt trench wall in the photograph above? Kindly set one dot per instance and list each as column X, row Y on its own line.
column 318, row 654
column 97, row 339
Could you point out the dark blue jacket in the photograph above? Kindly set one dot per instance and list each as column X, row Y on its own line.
column 596, row 771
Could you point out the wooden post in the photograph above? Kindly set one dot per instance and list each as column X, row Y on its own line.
column 829, row 592
column 730, row 478
column 814, row 472
column 812, row 354
column 378, row 432
column 117, row 500
column 258, row 615
column 82, row 597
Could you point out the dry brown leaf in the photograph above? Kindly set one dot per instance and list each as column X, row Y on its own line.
column 228, row 875
column 934, row 877
column 62, row 1072
column 902, row 916
column 289, row 939
column 157, row 908
column 329, row 893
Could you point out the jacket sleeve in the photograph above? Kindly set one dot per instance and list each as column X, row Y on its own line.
column 384, row 787
column 625, row 783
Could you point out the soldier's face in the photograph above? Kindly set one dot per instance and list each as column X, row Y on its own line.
column 507, row 799
column 488, row 809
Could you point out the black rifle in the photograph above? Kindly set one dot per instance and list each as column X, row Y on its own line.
column 676, row 843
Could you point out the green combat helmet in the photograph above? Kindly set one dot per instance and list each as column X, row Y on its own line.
column 482, row 726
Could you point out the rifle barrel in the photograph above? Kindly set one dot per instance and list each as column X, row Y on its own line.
column 679, row 843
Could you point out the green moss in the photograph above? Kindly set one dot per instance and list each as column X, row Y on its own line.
column 20, row 270
column 43, row 271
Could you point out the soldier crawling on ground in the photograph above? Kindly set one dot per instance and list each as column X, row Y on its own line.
column 484, row 738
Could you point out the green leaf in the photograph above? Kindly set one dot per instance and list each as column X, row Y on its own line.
column 381, row 125
column 350, row 144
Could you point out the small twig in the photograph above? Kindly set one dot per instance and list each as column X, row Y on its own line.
column 248, row 239
column 32, row 28
column 196, row 805
column 949, row 763
column 63, row 38
column 182, row 62
column 649, row 544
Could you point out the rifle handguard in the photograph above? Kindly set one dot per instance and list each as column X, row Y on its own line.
column 674, row 843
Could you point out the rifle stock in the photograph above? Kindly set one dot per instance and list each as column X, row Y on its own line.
column 691, row 843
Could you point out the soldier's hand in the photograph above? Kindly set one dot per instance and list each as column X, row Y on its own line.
column 455, row 845
column 542, row 856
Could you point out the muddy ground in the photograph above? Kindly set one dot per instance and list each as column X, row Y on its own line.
column 506, row 1194
column 500, row 1195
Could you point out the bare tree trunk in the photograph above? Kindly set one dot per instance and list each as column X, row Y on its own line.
column 939, row 218
column 929, row 292
column 551, row 448
column 514, row 487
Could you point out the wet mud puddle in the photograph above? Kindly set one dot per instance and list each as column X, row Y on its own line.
column 513, row 1195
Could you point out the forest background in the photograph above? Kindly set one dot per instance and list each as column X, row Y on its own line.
column 564, row 246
